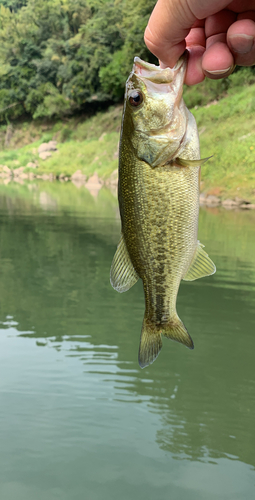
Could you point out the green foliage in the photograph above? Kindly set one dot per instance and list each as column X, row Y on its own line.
column 226, row 129
column 114, row 75
column 210, row 90
column 83, row 145
column 13, row 5
column 58, row 56
column 226, row 132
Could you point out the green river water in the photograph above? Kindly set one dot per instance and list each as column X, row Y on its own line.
column 79, row 419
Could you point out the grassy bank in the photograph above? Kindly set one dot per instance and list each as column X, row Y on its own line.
column 227, row 131
column 86, row 144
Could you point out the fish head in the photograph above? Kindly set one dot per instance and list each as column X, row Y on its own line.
column 155, row 112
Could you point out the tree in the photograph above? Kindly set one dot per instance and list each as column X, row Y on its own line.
column 57, row 56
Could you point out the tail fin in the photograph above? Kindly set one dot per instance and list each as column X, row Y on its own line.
column 151, row 341
column 175, row 330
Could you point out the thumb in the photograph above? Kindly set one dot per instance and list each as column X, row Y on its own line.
column 168, row 26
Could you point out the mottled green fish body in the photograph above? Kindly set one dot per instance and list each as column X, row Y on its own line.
column 159, row 201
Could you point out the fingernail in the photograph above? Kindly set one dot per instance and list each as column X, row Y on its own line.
column 242, row 44
column 219, row 71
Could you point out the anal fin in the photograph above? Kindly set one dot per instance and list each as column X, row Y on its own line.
column 200, row 266
column 122, row 275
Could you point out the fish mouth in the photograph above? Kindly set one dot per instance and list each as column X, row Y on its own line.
column 156, row 74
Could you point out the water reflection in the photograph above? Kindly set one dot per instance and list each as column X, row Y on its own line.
column 73, row 339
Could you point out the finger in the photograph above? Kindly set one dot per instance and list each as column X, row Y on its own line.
column 203, row 8
column 241, row 41
column 220, row 37
column 195, row 42
column 218, row 61
column 219, row 23
column 196, row 36
column 241, row 6
column 250, row 14
column 194, row 72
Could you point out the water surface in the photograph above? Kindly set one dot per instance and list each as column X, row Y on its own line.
column 78, row 417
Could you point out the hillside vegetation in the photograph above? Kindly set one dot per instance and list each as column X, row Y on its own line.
column 63, row 67
column 227, row 131
column 59, row 57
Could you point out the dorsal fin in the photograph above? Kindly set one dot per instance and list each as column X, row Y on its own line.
column 123, row 275
column 200, row 266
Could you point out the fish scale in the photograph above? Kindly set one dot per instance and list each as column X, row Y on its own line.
column 152, row 236
column 159, row 201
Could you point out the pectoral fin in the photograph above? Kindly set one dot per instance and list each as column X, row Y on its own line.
column 180, row 162
column 123, row 275
column 200, row 266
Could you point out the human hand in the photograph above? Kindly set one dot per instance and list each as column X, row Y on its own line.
column 217, row 33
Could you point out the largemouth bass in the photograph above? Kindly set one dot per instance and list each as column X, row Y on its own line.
column 159, row 166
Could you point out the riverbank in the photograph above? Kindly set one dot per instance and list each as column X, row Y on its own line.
column 94, row 186
column 83, row 148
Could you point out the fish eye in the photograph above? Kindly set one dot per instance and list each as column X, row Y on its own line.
column 135, row 98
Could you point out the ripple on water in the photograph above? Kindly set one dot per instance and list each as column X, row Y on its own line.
column 77, row 415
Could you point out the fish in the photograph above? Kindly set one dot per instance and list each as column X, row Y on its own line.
column 158, row 193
